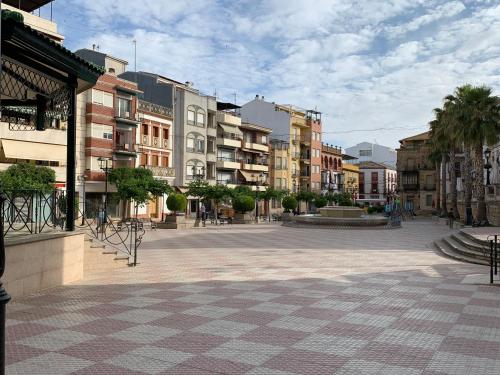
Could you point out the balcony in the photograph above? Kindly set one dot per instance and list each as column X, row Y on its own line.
column 305, row 141
column 155, row 108
column 410, row 187
column 255, row 167
column 125, row 148
column 145, row 140
column 126, row 117
column 305, row 158
column 295, row 155
column 165, row 143
column 228, row 118
column 256, row 146
column 429, row 187
column 161, row 171
column 227, row 163
column 229, row 140
column 226, row 181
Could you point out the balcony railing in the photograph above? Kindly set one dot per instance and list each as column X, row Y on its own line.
column 125, row 115
column 295, row 155
column 226, row 181
column 227, row 158
column 233, row 136
column 155, row 108
column 164, row 143
column 145, row 139
column 126, row 147
column 410, row 186
column 156, row 141
column 161, row 171
column 429, row 187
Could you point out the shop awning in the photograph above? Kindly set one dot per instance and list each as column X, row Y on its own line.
column 14, row 149
column 181, row 189
column 231, row 129
column 249, row 176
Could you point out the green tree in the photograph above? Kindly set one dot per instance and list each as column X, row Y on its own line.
column 320, row 202
column 289, row 203
column 435, row 159
column 269, row 194
column 243, row 203
column 26, row 176
column 305, row 196
column 176, row 202
column 137, row 185
column 218, row 193
column 440, row 143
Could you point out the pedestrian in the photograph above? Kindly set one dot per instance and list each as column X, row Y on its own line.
column 451, row 218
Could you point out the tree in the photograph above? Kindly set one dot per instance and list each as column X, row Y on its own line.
column 320, row 202
column 440, row 142
column 137, row 185
column 217, row 193
column 243, row 203
column 435, row 159
column 289, row 203
column 305, row 196
column 478, row 112
column 26, row 176
column 176, row 202
column 269, row 194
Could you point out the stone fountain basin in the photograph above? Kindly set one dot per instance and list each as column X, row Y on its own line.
column 341, row 212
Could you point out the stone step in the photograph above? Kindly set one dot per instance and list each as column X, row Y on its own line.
column 474, row 239
column 445, row 248
column 464, row 250
column 470, row 243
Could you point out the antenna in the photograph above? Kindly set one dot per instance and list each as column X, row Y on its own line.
column 234, row 93
column 135, row 55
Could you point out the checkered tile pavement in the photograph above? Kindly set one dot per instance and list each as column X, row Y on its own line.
column 267, row 300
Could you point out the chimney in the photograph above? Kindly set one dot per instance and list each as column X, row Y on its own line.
column 189, row 84
column 262, row 97
column 257, row 97
column 93, row 47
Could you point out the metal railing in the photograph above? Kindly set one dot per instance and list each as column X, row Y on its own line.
column 493, row 241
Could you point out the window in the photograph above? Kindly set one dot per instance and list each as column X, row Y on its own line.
column 165, row 133
column 278, row 183
column 200, row 145
column 200, row 119
column 144, row 159
column 155, row 160
column 101, row 131
column 164, row 161
column 156, row 131
column 195, row 168
column 190, row 117
column 211, row 145
column 145, row 129
column 365, row 152
column 277, row 163
column 190, row 143
column 123, row 108
column 225, row 155
column 102, row 98
column 195, row 143
column 264, row 139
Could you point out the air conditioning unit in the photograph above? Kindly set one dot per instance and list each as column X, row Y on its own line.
column 125, row 146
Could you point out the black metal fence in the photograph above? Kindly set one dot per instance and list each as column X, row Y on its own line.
column 27, row 212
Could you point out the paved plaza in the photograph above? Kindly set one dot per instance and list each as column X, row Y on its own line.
column 269, row 300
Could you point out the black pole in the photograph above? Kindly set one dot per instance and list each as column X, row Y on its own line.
column 257, row 204
column 4, row 297
column 496, row 253
column 491, row 261
column 84, row 200
column 71, row 158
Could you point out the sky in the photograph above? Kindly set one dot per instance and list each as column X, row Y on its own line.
column 375, row 68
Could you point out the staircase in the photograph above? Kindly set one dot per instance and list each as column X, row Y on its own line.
column 465, row 247
column 97, row 258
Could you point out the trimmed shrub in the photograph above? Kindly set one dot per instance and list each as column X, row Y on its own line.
column 371, row 210
column 289, row 203
column 243, row 203
column 320, row 202
column 176, row 202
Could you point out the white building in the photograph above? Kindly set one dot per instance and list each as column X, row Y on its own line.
column 376, row 182
column 366, row 151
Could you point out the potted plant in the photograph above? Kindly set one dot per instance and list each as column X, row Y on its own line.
column 243, row 204
column 176, row 202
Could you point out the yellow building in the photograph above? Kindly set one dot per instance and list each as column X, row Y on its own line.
column 350, row 178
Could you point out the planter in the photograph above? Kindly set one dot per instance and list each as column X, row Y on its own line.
column 179, row 222
column 243, row 218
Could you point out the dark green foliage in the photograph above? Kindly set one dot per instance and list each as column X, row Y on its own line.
column 176, row 202
column 137, row 184
column 242, row 190
column 289, row 203
column 26, row 176
column 371, row 210
column 243, row 203
column 320, row 202
column 305, row 196
column 344, row 199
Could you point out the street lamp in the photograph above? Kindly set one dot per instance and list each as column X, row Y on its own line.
column 198, row 176
column 106, row 165
column 4, row 297
column 487, row 165
column 258, row 179
column 82, row 178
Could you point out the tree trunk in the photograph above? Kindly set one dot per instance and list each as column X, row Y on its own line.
column 444, row 206
column 467, row 168
column 479, row 183
column 438, row 188
column 453, row 184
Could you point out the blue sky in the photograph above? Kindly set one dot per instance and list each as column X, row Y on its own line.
column 375, row 68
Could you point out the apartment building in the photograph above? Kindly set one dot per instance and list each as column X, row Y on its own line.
column 350, row 176
column 18, row 143
column 156, row 133
column 377, row 182
column 366, row 151
column 416, row 174
column 279, row 174
column 254, row 156
column 107, row 129
column 301, row 129
column 331, row 169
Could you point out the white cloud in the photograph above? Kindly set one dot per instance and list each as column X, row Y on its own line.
column 367, row 64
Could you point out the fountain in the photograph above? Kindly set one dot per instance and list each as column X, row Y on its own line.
column 338, row 216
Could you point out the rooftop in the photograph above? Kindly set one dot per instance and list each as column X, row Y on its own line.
column 373, row 165
column 27, row 5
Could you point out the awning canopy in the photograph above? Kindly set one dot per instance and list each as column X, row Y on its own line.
column 181, row 189
column 14, row 149
column 231, row 129
column 249, row 176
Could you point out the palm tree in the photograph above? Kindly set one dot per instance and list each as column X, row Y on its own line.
column 435, row 159
column 440, row 143
column 479, row 112
column 450, row 123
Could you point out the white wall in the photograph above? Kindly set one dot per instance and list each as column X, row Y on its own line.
column 380, row 154
column 262, row 113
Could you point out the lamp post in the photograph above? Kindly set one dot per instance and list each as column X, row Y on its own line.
column 487, row 165
column 106, row 165
column 4, row 297
column 198, row 176
column 82, row 178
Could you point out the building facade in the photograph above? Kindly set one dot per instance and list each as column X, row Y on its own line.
column 331, row 169
column 350, row 177
column 377, row 183
column 416, row 174
column 301, row 129
column 366, row 151
column 108, row 129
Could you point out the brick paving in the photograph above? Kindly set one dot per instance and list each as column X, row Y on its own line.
column 267, row 300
